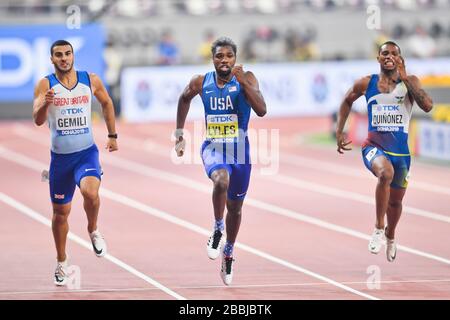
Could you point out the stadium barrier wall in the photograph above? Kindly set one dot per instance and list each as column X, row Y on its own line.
column 300, row 89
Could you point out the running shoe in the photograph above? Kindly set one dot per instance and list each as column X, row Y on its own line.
column 61, row 273
column 391, row 249
column 377, row 241
column 226, row 271
column 214, row 244
column 98, row 243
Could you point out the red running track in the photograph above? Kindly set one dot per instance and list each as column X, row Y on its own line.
column 303, row 235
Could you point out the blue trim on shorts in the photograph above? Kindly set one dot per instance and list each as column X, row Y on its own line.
column 401, row 165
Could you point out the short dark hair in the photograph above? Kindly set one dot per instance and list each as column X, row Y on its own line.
column 389, row 42
column 60, row 43
column 223, row 42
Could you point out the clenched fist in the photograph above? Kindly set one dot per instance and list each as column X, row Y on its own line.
column 49, row 95
column 239, row 73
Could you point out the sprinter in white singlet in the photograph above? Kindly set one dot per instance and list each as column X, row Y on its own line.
column 390, row 96
column 64, row 100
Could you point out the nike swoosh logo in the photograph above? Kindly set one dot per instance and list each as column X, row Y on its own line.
column 97, row 251
column 86, row 170
column 395, row 255
column 241, row 194
column 209, row 91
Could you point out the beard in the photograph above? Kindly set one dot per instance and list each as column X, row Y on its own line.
column 223, row 74
column 388, row 71
column 62, row 70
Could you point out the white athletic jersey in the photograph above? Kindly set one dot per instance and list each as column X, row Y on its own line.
column 69, row 116
column 389, row 115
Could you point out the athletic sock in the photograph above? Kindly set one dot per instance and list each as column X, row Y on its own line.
column 228, row 249
column 219, row 225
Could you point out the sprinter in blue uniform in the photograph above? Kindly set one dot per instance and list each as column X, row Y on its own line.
column 64, row 100
column 390, row 96
column 228, row 95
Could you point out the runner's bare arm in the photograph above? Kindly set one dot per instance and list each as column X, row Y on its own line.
column 43, row 97
column 415, row 90
column 357, row 90
column 184, row 102
column 419, row 95
column 99, row 91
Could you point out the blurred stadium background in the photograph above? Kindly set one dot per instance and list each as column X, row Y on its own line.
column 305, row 53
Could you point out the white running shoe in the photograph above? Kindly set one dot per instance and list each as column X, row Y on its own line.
column 214, row 244
column 391, row 249
column 226, row 272
column 377, row 241
column 61, row 277
column 98, row 243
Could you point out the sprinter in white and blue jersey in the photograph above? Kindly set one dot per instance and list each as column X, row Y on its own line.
column 390, row 96
column 228, row 95
column 64, row 100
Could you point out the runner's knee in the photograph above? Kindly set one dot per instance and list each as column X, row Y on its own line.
column 395, row 204
column 235, row 212
column 221, row 181
column 89, row 193
column 221, row 185
column 60, row 214
column 234, row 207
column 385, row 175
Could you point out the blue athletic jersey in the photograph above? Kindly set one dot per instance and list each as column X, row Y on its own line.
column 389, row 115
column 227, row 111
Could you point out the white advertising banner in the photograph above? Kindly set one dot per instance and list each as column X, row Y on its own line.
column 300, row 89
column 433, row 140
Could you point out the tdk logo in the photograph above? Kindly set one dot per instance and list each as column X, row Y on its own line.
column 74, row 110
column 221, row 119
column 71, row 111
column 388, row 107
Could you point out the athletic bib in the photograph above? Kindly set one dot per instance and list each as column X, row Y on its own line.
column 72, row 120
column 389, row 117
column 222, row 126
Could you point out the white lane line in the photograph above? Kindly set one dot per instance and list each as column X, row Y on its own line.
column 339, row 193
column 43, row 220
column 221, row 287
column 12, row 156
column 150, row 146
column 141, row 169
column 302, row 143
column 339, row 169
column 190, row 226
